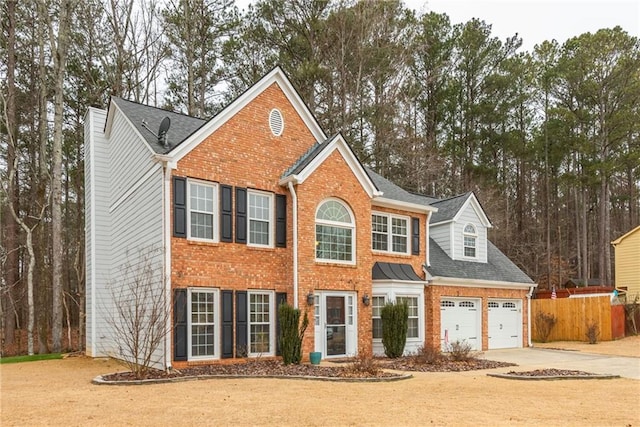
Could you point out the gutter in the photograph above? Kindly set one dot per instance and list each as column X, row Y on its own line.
column 529, row 295
column 294, row 199
column 166, row 215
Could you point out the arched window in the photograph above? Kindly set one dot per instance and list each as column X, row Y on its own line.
column 334, row 232
column 469, row 240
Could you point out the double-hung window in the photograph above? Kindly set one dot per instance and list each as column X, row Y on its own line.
column 334, row 232
column 203, row 324
column 261, row 323
column 389, row 233
column 469, row 241
column 202, row 218
column 377, row 302
column 260, row 219
column 412, row 323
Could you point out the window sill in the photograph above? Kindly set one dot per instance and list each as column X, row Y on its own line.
column 335, row 263
column 392, row 254
column 202, row 242
column 261, row 248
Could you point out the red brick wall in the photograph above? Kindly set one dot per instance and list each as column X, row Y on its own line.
column 434, row 294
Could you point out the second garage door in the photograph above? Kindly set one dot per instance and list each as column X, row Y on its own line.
column 505, row 324
column 460, row 320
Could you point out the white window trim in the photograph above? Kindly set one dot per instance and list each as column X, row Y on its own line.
column 272, row 220
column 391, row 295
column 385, row 300
column 272, row 323
column 417, row 297
column 216, row 325
column 475, row 237
column 390, row 233
column 352, row 227
column 216, row 213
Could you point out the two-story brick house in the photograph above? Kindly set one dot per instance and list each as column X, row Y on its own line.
column 257, row 206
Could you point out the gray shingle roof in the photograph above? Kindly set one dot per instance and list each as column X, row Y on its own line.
column 497, row 268
column 394, row 192
column 181, row 125
column 307, row 157
column 448, row 208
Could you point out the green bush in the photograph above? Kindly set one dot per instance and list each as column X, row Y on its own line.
column 291, row 333
column 394, row 328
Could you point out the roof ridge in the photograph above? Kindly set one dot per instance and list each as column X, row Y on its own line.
column 159, row 108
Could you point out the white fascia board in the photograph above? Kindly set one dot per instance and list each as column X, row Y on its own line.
column 338, row 143
column 131, row 126
column 405, row 206
column 477, row 208
column 275, row 76
column 478, row 283
column 441, row 223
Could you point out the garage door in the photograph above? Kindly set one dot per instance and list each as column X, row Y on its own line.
column 460, row 320
column 505, row 323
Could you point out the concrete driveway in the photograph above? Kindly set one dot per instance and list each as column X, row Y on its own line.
column 539, row 358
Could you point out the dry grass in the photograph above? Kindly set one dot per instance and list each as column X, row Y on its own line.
column 59, row 392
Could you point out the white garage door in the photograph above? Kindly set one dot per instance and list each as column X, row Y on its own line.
column 505, row 324
column 460, row 320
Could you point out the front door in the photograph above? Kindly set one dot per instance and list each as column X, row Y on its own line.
column 335, row 326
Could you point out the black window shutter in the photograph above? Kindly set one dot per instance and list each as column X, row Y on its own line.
column 226, row 213
column 281, row 298
column 179, row 206
column 227, row 324
column 242, row 348
column 281, row 220
column 241, row 215
column 415, row 236
column 180, row 324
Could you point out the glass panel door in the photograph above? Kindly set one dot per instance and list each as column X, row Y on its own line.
column 336, row 325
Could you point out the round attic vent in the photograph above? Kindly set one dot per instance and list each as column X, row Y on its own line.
column 276, row 123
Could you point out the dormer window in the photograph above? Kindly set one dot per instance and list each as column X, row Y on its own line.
column 470, row 237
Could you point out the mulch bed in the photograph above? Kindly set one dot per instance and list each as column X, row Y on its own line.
column 552, row 374
column 342, row 370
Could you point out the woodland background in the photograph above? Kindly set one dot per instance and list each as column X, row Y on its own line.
column 548, row 139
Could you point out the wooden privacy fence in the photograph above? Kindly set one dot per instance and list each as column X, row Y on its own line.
column 574, row 315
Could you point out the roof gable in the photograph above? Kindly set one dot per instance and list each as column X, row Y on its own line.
column 275, row 76
column 317, row 154
column 450, row 210
column 627, row 234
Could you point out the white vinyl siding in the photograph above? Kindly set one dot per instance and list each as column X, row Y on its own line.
column 125, row 228
column 469, row 216
column 97, row 226
column 441, row 234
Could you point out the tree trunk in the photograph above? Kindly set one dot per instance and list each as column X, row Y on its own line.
column 9, row 224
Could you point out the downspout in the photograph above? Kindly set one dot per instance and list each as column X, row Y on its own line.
column 529, row 295
column 294, row 200
column 166, row 215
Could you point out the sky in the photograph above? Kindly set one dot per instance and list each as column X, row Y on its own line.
column 538, row 20
column 535, row 20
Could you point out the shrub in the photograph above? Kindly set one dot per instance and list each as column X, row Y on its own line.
column 460, row 351
column 394, row 328
column 428, row 356
column 593, row 332
column 363, row 366
column 291, row 333
column 544, row 325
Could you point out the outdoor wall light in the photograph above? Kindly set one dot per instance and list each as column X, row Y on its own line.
column 365, row 300
column 310, row 298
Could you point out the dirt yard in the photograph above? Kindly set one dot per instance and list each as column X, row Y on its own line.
column 59, row 392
